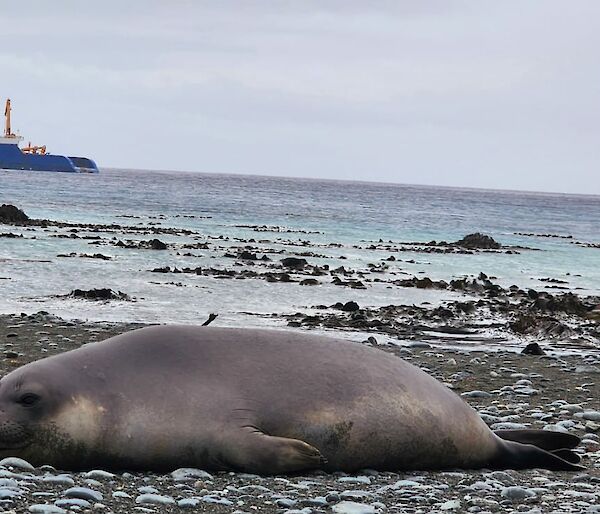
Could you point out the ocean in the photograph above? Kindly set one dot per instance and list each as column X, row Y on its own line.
column 335, row 220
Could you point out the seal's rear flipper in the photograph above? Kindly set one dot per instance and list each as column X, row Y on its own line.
column 256, row 452
column 567, row 455
column 544, row 439
column 515, row 455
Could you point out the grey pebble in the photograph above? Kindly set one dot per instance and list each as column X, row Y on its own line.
column 7, row 494
column 347, row 507
column 508, row 426
column 590, row 415
column 450, row 505
column 355, row 480
column 185, row 474
column 93, row 482
column 254, row 488
column 68, row 502
column 15, row 462
column 517, row 493
column 58, row 479
column 418, row 344
column 148, row 489
column 355, row 495
column 405, row 483
column 43, row 508
column 154, row 499
column 84, row 493
column 476, row 394
column 120, row 494
column 99, row 474
column 188, row 503
column 318, row 501
column 285, row 503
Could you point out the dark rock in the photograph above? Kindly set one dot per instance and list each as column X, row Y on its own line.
column 11, row 214
column 350, row 307
column 422, row 283
column 478, row 240
column 294, row 263
column 309, row 282
column 157, row 244
column 99, row 294
column 442, row 312
column 567, row 303
column 533, row 349
column 247, row 256
column 523, row 324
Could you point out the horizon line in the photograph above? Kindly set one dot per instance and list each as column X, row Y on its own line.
column 357, row 181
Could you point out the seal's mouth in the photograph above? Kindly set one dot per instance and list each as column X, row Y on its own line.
column 14, row 436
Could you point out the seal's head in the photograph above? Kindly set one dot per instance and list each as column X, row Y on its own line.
column 25, row 402
column 48, row 414
column 28, row 401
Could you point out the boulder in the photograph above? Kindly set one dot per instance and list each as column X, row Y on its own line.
column 478, row 240
column 11, row 214
column 296, row 263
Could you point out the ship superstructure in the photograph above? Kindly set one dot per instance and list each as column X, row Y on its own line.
column 36, row 158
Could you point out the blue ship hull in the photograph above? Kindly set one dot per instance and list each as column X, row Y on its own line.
column 12, row 158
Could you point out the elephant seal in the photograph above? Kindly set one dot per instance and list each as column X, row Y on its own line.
column 258, row 401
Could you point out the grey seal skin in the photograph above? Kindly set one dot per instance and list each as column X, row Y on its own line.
column 258, row 401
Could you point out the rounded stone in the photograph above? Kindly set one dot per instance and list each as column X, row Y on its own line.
column 517, row 493
column 99, row 474
column 69, row 502
column 85, row 493
column 154, row 499
column 347, row 507
column 15, row 462
column 189, row 474
column 44, row 508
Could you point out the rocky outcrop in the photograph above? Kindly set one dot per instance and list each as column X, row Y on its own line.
column 296, row 263
column 478, row 240
column 12, row 215
column 103, row 294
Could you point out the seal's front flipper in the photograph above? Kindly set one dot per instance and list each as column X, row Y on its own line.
column 545, row 439
column 256, row 452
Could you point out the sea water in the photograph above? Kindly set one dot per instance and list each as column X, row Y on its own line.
column 313, row 214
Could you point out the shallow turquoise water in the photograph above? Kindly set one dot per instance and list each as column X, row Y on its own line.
column 349, row 213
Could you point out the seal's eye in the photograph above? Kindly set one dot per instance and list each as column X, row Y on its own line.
column 28, row 399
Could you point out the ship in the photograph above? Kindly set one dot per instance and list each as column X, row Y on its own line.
column 36, row 158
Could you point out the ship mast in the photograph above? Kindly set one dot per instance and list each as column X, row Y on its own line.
column 7, row 131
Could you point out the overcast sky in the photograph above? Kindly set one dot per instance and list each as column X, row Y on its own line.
column 497, row 94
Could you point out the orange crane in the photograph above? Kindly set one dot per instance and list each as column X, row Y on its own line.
column 7, row 131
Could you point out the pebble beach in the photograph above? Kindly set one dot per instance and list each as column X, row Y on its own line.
column 509, row 390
